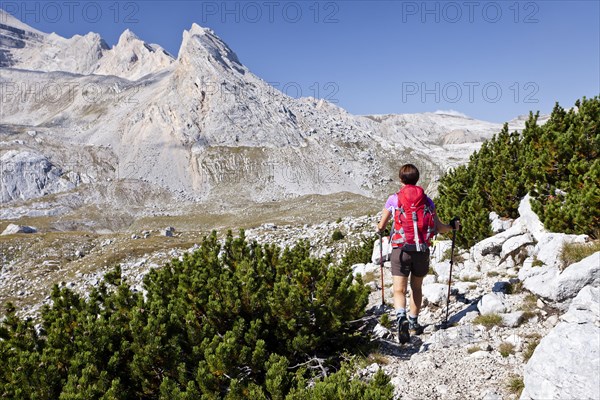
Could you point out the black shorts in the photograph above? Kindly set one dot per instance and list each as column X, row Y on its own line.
column 406, row 262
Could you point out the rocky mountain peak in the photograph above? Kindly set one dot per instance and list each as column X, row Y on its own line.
column 132, row 58
column 9, row 21
column 127, row 36
column 204, row 49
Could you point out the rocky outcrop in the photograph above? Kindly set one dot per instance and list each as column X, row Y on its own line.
column 576, row 276
column 13, row 229
column 27, row 175
column 566, row 363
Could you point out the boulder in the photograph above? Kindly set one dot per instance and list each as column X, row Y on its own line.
column 429, row 279
column 456, row 336
column 363, row 269
column 439, row 250
column 565, row 364
column 529, row 220
column 435, row 293
column 492, row 303
column 168, row 232
column 492, row 246
column 386, row 250
column 442, row 269
column 576, row 276
column 550, row 247
column 513, row 319
column 552, row 284
column 514, row 244
column 499, row 224
column 12, row 229
column 540, row 281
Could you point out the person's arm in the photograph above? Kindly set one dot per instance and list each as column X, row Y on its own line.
column 440, row 227
column 385, row 217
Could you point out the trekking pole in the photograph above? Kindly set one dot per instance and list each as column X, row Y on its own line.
column 381, row 267
column 450, row 277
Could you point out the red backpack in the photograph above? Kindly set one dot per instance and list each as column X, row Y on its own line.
column 414, row 220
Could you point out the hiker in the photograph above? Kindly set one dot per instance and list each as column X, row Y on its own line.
column 410, row 251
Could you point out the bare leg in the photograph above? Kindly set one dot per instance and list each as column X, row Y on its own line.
column 416, row 295
column 400, row 283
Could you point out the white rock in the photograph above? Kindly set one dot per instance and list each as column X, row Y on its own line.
column 363, row 269
column 565, row 364
column 543, row 283
column 550, row 247
column 492, row 246
column 492, row 303
column 435, row 293
column 491, row 395
column 442, row 269
column 529, row 219
column 499, row 224
column 458, row 336
column 463, row 287
column 513, row 244
column 576, row 276
column 585, row 307
column 429, row 279
column 440, row 249
column 386, row 250
column 469, row 317
column 513, row 319
column 380, row 331
column 479, row 354
column 27, row 175
column 551, row 321
column 12, row 229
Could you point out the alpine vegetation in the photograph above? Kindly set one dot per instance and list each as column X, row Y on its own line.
column 228, row 321
column 557, row 163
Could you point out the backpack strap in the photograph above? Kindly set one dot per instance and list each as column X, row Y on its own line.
column 416, row 229
column 430, row 229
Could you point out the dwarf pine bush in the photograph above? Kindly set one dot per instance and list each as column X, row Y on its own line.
column 238, row 320
column 558, row 163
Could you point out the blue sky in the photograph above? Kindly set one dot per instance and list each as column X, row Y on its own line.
column 491, row 60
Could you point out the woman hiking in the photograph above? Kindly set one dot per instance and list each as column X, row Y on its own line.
column 415, row 223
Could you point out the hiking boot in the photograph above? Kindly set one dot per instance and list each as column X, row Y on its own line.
column 413, row 327
column 403, row 336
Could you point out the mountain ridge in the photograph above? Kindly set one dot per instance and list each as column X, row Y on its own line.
column 201, row 126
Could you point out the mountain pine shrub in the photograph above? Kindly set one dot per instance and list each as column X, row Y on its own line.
column 558, row 163
column 238, row 320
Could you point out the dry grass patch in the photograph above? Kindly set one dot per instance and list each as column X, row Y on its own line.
column 473, row 349
column 506, row 349
column 488, row 320
column 575, row 252
column 516, row 385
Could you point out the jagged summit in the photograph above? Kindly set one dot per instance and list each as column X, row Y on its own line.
column 132, row 58
column 8, row 20
column 127, row 36
column 24, row 47
column 202, row 126
column 202, row 45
